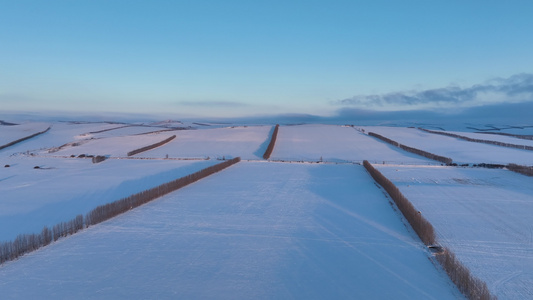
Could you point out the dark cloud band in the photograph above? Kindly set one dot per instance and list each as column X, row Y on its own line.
column 517, row 88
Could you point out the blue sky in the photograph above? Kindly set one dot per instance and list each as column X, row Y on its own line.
column 234, row 58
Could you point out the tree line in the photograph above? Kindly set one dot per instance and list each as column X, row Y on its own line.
column 23, row 139
column 471, row 286
column 420, row 225
column 462, row 137
column 150, row 147
column 425, row 154
column 525, row 170
column 272, row 143
column 25, row 243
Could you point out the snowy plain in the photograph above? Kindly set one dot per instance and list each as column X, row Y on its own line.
column 493, row 137
column 338, row 144
column 485, row 216
column 247, row 142
column 59, row 134
column 460, row 151
column 63, row 188
column 111, row 146
column 254, row 231
column 12, row 133
column 259, row 229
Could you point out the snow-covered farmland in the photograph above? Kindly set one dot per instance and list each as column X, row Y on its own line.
column 257, row 230
column 62, row 188
column 485, row 216
column 245, row 142
column 111, row 146
column 12, row 133
column 492, row 137
column 336, row 143
column 59, row 134
column 460, row 151
column 126, row 130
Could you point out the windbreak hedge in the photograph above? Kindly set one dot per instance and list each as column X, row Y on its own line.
column 110, row 210
column 272, row 143
column 150, row 147
column 490, row 142
column 471, row 286
column 23, row 139
column 420, row 225
column 525, row 170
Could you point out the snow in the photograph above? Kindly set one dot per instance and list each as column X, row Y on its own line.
column 484, row 215
column 245, row 142
column 494, row 137
column 111, row 146
column 126, row 130
column 63, row 188
column 260, row 229
column 460, row 151
column 60, row 133
column 257, row 230
column 338, row 144
column 12, row 133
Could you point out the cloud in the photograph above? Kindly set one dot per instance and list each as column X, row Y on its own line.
column 515, row 89
column 212, row 103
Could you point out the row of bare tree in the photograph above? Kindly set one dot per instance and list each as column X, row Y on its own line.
column 23, row 139
column 110, row 210
column 272, row 143
column 420, row 225
column 525, row 170
column 469, row 285
column 518, row 136
column 429, row 155
column 490, row 142
column 25, row 243
column 150, row 147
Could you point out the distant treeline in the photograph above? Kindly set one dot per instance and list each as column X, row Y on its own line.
column 518, row 136
column 150, row 147
column 425, row 154
column 23, row 139
column 469, row 285
column 525, row 170
column 25, row 243
column 272, row 143
column 462, row 137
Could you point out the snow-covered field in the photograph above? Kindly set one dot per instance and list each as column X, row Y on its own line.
column 111, row 146
column 460, row 151
column 245, row 142
column 254, row 231
column 485, row 216
column 338, row 144
column 126, row 130
column 260, row 229
column 63, row 188
column 61, row 133
column 12, row 133
column 493, row 137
